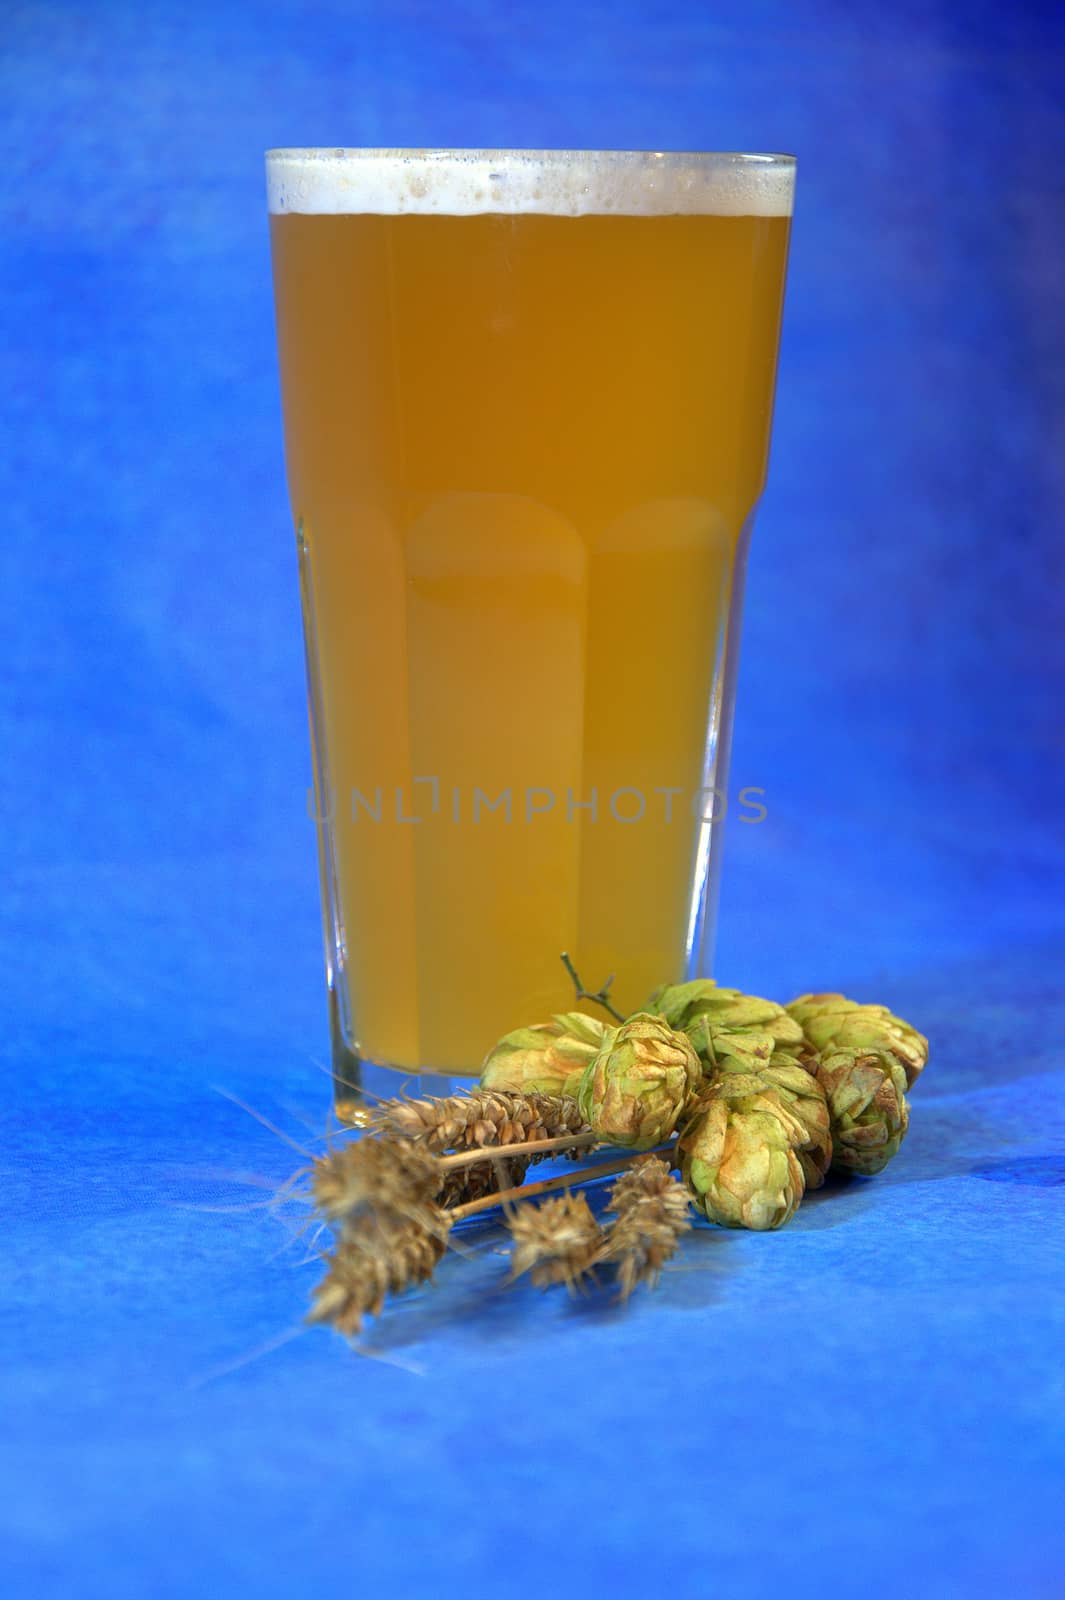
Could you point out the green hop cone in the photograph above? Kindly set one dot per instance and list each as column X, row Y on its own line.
column 640, row 1081
column 739, row 1154
column 725, row 1023
column 548, row 1058
column 833, row 1020
column 804, row 1096
column 865, row 1091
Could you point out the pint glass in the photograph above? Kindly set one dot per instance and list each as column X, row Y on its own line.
column 527, row 400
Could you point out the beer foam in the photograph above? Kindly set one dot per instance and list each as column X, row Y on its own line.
column 563, row 183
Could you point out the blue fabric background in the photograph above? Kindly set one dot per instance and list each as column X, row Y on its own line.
column 870, row 1402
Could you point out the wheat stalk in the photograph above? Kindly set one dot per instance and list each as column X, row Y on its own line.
column 392, row 1199
column 482, row 1119
column 377, row 1176
column 532, row 1191
column 652, row 1211
column 557, row 1242
column 359, row 1276
column 381, row 1197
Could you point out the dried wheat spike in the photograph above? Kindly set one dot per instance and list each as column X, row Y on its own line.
column 359, row 1277
column 482, row 1178
column 556, row 1242
column 482, row 1118
column 653, row 1210
column 378, row 1175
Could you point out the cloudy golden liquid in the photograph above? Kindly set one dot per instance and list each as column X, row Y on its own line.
column 522, row 450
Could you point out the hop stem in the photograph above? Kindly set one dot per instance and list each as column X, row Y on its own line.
column 600, row 997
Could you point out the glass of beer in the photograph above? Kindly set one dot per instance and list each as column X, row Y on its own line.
column 527, row 400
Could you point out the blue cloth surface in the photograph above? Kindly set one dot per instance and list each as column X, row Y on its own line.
column 869, row 1402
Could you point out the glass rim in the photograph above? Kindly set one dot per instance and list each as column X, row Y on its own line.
column 464, row 182
column 519, row 153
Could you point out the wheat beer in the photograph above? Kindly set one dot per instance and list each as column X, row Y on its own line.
column 527, row 404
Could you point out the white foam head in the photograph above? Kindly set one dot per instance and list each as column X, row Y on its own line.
column 564, row 183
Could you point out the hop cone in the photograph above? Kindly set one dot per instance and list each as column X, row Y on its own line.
column 641, row 1079
column 727, row 1023
column 804, row 1096
column 739, row 1154
column 865, row 1091
column 546, row 1059
column 833, row 1020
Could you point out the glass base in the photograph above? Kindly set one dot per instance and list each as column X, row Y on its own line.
column 360, row 1084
